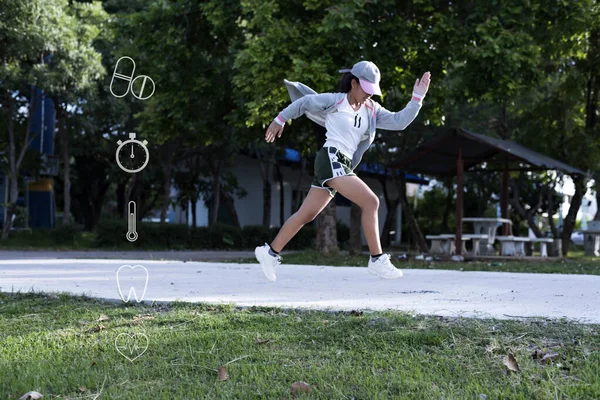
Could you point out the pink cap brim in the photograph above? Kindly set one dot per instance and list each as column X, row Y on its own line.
column 370, row 88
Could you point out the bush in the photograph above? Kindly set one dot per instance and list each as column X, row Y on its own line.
column 65, row 234
column 256, row 235
column 110, row 233
column 156, row 235
column 216, row 237
column 304, row 239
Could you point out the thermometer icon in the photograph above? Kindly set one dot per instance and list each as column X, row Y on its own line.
column 132, row 235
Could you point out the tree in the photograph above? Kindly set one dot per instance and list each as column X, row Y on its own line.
column 31, row 30
column 192, row 103
column 75, row 67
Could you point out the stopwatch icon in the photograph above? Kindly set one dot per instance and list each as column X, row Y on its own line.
column 132, row 155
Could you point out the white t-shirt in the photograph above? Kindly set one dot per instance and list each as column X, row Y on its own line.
column 346, row 128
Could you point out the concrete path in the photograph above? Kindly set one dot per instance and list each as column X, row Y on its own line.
column 436, row 292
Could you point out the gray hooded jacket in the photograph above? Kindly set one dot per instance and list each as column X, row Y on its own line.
column 317, row 106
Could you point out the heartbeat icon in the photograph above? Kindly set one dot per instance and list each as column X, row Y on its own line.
column 132, row 344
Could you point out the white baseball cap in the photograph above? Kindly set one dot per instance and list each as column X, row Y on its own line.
column 368, row 75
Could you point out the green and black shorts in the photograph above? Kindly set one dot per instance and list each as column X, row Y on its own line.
column 330, row 163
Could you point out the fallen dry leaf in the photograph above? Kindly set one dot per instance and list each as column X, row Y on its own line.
column 103, row 318
column 223, row 374
column 511, row 363
column 31, row 395
column 300, row 387
column 262, row 341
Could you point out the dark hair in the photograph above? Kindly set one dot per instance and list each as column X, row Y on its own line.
column 346, row 82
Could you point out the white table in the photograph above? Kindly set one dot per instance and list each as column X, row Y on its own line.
column 487, row 226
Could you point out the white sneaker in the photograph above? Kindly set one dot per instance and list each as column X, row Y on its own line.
column 384, row 268
column 267, row 261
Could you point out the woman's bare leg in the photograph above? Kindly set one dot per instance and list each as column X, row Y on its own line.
column 313, row 204
column 355, row 190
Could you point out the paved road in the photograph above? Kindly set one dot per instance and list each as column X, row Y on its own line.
column 436, row 292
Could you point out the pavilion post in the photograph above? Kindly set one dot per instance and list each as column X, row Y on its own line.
column 504, row 197
column 459, row 198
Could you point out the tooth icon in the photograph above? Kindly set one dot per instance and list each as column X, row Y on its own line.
column 127, row 276
column 131, row 345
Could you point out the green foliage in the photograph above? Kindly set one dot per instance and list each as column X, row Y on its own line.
column 66, row 234
column 430, row 212
column 111, row 234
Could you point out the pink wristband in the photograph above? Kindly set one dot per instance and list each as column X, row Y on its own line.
column 417, row 97
column 280, row 120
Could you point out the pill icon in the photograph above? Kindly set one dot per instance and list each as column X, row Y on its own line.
column 123, row 75
column 142, row 86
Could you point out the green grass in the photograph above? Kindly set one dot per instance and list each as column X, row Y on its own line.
column 45, row 239
column 54, row 345
column 577, row 264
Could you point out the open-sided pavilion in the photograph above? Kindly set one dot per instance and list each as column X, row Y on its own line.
column 458, row 150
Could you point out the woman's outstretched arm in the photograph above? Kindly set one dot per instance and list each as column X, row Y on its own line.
column 308, row 103
column 397, row 121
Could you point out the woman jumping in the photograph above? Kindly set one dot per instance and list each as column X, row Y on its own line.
column 351, row 118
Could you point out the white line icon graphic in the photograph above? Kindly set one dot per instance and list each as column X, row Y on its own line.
column 135, row 160
column 131, row 235
column 131, row 345
column 135, row 275
column 129, row 65
column 141, row 89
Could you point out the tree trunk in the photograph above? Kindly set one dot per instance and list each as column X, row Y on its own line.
column 327, row 231
column 592, row 100
column 193, row 207
column 296, row 200
column 166, row 200
column 266, row 172
column 230, row 203
column 216, row 193
column 392, row 208
column 569, row 221
column 64, row 149
column 449, row 197
column 526, row 214
column 553, row 229
column 121, row 199
column 413, row 225
column 355, row 229
column 390, row 217
column 12, row 178
column 281, row 195
column 14, row 161
column 597, row 188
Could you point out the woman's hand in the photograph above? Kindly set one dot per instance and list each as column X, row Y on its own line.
column 273, row 130
column 422, row 85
